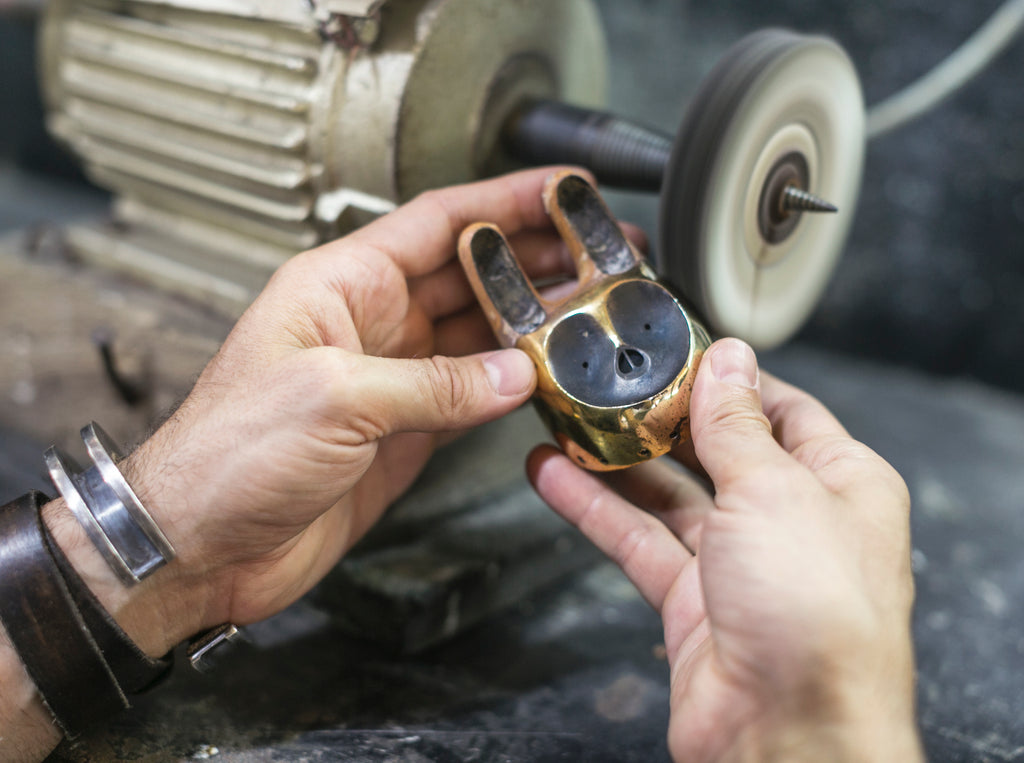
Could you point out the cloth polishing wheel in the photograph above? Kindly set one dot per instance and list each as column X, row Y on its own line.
column 775, row 128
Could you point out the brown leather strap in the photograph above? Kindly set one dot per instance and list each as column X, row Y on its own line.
column 45, row 628
column 134, row 670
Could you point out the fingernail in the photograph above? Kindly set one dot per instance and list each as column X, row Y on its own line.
column 511, row 372
column 733, row 362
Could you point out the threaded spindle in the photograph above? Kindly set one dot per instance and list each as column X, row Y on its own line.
column 619, row 153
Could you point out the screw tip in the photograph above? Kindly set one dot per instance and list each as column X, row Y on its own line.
column 797, row 200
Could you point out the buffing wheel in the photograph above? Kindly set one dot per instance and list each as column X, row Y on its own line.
column 779, row 109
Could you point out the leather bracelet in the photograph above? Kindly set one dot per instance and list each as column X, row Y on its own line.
column 134, row 670
column 45, row 627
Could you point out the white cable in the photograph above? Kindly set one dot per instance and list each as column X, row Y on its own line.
column 950, row 75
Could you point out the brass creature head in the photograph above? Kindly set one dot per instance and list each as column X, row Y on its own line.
column 616, row 359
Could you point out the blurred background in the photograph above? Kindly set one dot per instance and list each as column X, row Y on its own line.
column 934, row 269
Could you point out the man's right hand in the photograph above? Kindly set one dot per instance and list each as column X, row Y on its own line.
column 785, row 593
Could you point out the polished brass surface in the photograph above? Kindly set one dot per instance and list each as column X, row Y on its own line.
column 605, row 438
column 598, row 427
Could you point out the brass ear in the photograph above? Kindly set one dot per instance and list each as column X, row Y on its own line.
column 597, row 244
column 509, row 301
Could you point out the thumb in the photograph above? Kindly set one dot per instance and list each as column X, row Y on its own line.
column 731, row 435
column 441, row 394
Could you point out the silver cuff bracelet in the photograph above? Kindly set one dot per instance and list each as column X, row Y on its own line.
column 106, row 506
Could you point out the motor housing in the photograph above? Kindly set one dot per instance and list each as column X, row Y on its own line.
column 236, row 133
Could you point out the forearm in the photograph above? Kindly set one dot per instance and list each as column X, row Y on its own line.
column 27, row 730
column 153, row 614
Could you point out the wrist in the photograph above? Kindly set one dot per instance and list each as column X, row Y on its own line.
column 853, row 721
column 157, row 613
column 880, row 740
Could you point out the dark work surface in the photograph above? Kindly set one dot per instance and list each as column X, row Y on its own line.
column 960, row 447
column 570, row 676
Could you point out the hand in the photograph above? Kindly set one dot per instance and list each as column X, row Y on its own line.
column 320, row 409
column 785, row 594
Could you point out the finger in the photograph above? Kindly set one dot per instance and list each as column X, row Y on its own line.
column 541, row 253
column 421, row 235
column 816, row 439
column 466, row 333
column 557, row 293
column 665, row 490
column 646, row 550
column 443, row 292
column 684, row 453
column 382, row 396
column 795, row 416
column 731, row 435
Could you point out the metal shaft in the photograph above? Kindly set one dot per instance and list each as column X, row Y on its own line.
column 620, row 153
